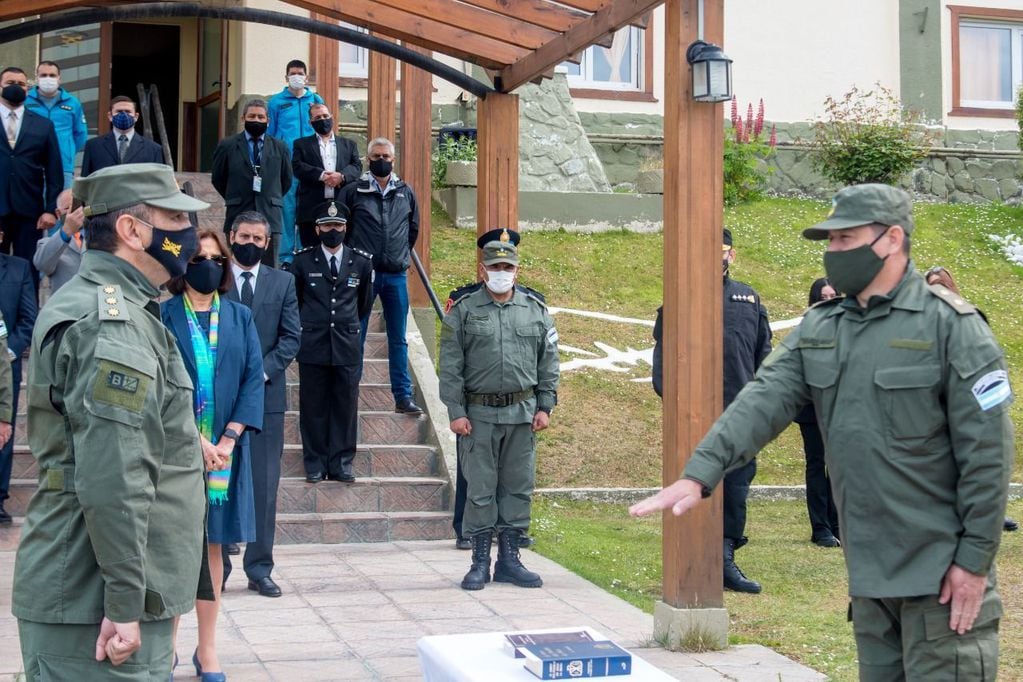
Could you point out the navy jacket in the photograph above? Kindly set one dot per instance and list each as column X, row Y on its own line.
column 31, row 174
column 101, row 152
column 385, row 227
column 17, row 302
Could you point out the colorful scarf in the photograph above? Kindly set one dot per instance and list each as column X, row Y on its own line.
column 205, row 351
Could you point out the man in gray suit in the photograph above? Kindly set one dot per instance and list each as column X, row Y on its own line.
column 252, row 171
column 59, row 255
column 271, row 295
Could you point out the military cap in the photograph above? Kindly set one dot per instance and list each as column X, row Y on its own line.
column 501, row 234
column 726, row 240
column 859, row 205
column 500, row 252
column 334, row 215
column 116, row 187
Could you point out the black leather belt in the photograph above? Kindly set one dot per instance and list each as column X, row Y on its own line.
column 498, row 399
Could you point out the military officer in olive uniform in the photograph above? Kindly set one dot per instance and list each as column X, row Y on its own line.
column 912, row 395
column 747, row 341
column 334, row 284
column 498, row 380
column 113, row 539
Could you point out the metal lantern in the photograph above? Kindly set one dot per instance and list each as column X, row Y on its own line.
column 712, row 72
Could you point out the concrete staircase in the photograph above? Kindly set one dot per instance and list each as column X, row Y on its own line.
column 402, row 490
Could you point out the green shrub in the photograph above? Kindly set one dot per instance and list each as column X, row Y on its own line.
column 745, row 149
column 452, row 149
column 868, row 137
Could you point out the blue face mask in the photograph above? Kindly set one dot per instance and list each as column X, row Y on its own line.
column 123, row 121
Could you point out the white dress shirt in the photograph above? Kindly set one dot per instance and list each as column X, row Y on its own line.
column 328, row 154
column 237, row 271
column 19, row 118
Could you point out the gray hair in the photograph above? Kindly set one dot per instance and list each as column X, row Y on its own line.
column 252, row 218
column 380, row 142
column 255, row 104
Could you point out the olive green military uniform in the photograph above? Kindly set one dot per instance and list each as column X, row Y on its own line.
column 912, row 397
column 116, row 526
column 6, row 388
column 498, row 366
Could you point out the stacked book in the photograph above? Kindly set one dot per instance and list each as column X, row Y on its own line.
column 569, row 655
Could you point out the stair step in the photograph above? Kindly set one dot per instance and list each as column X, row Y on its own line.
column 10, row 535
column 381, row 428
column 370, row 460
column 374, row 371
column 331, row 528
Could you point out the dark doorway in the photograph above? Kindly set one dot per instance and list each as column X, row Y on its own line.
column 148, row 54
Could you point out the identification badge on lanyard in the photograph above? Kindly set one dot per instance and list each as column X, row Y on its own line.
column 257, row 183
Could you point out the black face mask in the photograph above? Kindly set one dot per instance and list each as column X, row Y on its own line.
column 247, row 254
column 332, row 238
column 323, row 125
column 204, row 276
column 381, row 168
column 255, row 128
column 14, row 94
column 173, row 250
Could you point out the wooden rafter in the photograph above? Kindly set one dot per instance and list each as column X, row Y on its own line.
column 587, row 5
column 611, row 17
column 18, row 9
column 537, row 12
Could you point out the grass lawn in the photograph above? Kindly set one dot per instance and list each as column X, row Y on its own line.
column 801, row 612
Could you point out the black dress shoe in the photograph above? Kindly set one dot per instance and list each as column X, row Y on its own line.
column 265, row 586
column 5, row 518
column 463, row 543
column 343, row 478
column 826, row 541
column 233, row 549
column 525, row 540
column 407, row 406
column 1009, row 524
column 313, row 478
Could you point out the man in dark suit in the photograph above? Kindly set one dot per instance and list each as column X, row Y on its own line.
column 335, row 290
column 18, row 305
column 271, row 295
column 31, row 170
column 322, row 163
column 252, row 171
column 121, row 144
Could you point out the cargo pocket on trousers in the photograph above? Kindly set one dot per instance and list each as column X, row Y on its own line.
column 62, row 668
column 976, row 652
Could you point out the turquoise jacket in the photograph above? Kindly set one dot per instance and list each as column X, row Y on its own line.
column 68, row 118
column 289, row 115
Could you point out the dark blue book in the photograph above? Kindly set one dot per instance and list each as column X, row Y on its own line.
column 522, row 638
column 569, row 660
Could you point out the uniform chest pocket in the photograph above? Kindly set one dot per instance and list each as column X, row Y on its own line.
column 909, row 398
column 528, row 335
column 479, row 326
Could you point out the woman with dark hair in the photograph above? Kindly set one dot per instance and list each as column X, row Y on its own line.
column 220, row 346
column 820, row 503
column 939, row 275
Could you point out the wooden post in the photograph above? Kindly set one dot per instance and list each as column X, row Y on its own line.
column 381, row 95
column 497, row 167
column 693, row 217
column 416, row 147
column 326, row 67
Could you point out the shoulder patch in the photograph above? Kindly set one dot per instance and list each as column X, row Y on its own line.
column 952, row 299
column 460, row 294
column 364, row 254
column 111, row 303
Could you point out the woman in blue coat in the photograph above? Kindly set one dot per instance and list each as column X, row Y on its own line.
column 220, row 346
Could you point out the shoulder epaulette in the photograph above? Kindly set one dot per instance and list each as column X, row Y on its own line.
column 364, row 254
column 954, row 300
column 111, row 303
column 532, row 293
column 306, row 249
column 460, row 293
column 831, row 301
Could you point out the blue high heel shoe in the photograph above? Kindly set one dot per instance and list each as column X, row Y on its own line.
column 206, row 677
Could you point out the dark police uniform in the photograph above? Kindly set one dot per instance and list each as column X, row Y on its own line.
column 330, row 356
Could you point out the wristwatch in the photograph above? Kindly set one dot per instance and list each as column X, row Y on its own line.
column 232, row 434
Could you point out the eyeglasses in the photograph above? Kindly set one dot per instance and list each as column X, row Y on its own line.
column 199, row 258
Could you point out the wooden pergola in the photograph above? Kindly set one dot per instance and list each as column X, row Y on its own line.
column 516, row 42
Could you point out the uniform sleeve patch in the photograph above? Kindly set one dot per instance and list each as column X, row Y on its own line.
column 552, row 336
column 992, row 389
column 3, row 329
column 120, row 386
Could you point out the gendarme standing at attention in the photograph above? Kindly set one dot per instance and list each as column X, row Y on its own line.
column 113, row 538
column 912, row 397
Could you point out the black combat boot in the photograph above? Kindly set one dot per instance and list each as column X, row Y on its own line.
column 735, row 580
column 508, row 568
column 479, row 573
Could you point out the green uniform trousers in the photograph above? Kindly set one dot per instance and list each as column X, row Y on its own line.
column 54, row 652
column 498, row 461
column 909, row 639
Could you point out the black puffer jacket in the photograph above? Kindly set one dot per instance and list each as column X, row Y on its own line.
column 386, row 227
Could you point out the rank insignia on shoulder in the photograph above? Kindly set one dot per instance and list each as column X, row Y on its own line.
column 954, row 300
column 744, row 298
column 362, row 253
column 111, row 303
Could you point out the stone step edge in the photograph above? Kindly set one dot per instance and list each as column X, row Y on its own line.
column 361, row 516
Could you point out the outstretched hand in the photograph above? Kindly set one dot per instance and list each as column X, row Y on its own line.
column 680, row 496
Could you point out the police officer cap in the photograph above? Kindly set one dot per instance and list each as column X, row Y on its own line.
column 501, row 234
column 116, row 187
column 727, row 238
column 500, row 252
column 859, row 205
column 334, row 215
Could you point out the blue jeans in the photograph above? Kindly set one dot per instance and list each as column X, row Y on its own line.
column 392, row 288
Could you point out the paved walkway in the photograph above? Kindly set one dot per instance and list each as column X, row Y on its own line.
column 355, row 612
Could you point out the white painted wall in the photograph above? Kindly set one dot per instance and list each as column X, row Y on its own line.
column 265, row 50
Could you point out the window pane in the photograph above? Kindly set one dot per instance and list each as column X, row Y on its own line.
column 612, row 68
column 985, row 64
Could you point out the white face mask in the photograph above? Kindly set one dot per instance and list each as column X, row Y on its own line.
column 500, row 281
column 296, row 81
column 48, row 85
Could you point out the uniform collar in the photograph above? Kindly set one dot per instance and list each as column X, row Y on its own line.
column 906, row 296
column 102, row 268
column 483, row 297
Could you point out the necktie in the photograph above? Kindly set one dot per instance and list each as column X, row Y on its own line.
column 333, row 267
column 12, row 128
column 122, row 147
column 247, row 289
column 255, row 153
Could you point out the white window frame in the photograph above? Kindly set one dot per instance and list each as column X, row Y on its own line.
column 357, row 69
column 1016, row 63
column 584, row 79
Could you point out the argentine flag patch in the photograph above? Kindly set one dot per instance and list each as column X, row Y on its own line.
column 992, row 389
column 552, row 336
